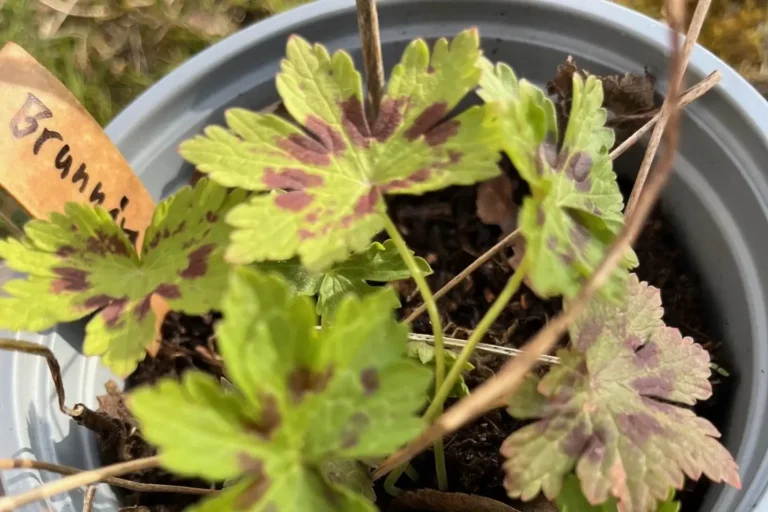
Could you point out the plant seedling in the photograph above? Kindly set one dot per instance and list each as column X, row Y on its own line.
column 303, row 398
column 82, row 262
column 328, row 180
column 379, row 263
column 609, row 410
column 575, row 208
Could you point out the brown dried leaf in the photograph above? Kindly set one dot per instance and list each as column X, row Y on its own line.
column 495, row 204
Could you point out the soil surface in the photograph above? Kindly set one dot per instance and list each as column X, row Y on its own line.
column 444, row 227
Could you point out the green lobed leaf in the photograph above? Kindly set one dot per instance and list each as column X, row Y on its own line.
column 82, row 262
column 327, row 185
column 571, row 499
column 610, row 411
column 575, row 208
column 425, row 354
column 304, row 399
column 378, row 263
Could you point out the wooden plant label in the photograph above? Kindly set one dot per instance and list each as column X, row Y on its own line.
column 53, row 152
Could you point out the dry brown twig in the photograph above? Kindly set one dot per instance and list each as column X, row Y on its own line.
column 117, row 482
column 368, row 24
column 90, row 497
column 512, row 373
column 9, row 503
column 699, row 15
column 28, row 347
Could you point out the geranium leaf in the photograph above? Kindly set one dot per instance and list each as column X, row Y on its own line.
column 377, row 263
column 303, row 399
column 425, row 354
column 572, row 499
column 328, row 182
column 609, row 410
column 82, row 262
column 575, row 208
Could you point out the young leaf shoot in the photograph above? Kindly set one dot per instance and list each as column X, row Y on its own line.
column 82, row 262
column 575, row 208
column 327, row 186
column 425, row 353
column 608, row 411
column 303, row 397
column 378, row 263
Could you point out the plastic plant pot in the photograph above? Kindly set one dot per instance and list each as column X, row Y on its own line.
column 717, row 200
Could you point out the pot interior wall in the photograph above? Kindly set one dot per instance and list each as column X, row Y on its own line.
column 716, row 198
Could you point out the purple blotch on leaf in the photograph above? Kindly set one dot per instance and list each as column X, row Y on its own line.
column 653, row 385
column 291, row 179
column 442, row 132
column 69, row 280
column 98, row 301
column 389, row 118
column 638, row 426
column 576, row 440
column 305, row 149
column 577, row 168
column 304, row 380
column 354, row 122
column 142, row 308
column 259, row 485
column 367, row 203
column 419, row 176
column 588, row 334
column 65, row 251
column 293, row 201
column 113, row 311
column 168, row 291
column 369, row 378
column 198, row 262
column 426, row 120
column 328, row 135
column 269, row 418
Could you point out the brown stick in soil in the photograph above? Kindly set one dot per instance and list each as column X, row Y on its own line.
column 512, row 373
column 368, row 24
column 27, row 347
column 695, row 92
column 117, row 482
column 9, row 503
column 450, row 285
column 690, row 41
column 435, row 501
column 90, row 497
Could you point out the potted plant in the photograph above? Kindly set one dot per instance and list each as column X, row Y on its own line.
column 291, row 207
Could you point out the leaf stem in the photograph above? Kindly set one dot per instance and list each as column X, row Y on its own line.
column 437, row 330
column 513, row 284
column 28, row 347
column 83, row 479
column 450, row 285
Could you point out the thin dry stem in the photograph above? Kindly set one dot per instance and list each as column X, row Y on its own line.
column 117, row 482
column 368, row 24
column 90, row 497
column 690, row 41
column 9, row 503
column 27, row 347
column 450, row 285
column 695, row 92
column 512, row 373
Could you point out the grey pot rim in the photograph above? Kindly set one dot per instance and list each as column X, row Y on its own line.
column 741, row 96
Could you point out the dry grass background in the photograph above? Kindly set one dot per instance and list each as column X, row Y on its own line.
column 108, row 51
